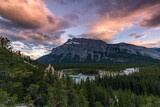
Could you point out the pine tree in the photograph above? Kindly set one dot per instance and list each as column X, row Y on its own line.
column 57, row 95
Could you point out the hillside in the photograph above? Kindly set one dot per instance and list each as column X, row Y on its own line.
column 25, row 82
column 17, row 73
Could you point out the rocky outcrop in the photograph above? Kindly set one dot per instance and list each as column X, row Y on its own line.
column 48, row 69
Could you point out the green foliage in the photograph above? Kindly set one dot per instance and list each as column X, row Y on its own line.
column 17, row 71
column 57, row 95
column 100, row 66
column 152, row 101
column 6, row 100
column 5, row 43
column 85, row 71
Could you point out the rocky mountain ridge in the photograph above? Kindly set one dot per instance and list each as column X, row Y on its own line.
column 90, row 50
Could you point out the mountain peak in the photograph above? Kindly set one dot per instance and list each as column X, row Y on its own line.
column 84, row 41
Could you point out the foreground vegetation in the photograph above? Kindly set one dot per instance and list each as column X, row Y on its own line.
column 24, row 82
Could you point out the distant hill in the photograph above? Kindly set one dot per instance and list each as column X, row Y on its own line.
column 90, row 50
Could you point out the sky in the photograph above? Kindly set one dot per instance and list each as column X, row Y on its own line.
column 35, row 27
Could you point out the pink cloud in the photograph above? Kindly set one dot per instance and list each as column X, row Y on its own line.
column 34, row 21
column 30, row 13
column 132, row 34
column 149, row 44
column 116, row 17
column 136, row 36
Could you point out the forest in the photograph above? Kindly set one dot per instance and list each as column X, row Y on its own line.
column 23, row 81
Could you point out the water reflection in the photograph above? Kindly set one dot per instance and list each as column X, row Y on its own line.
column 80, row 76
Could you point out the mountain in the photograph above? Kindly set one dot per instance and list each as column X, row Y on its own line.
column 89, row 50
column 156, row 49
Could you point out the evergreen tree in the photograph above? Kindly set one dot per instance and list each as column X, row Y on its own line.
column 57, row 95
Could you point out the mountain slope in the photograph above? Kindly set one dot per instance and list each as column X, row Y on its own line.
column 156, row 49
column 17, row 72
column 90, row 50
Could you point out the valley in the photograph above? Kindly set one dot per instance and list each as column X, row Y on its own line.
column 79, row 75
column 26, row 82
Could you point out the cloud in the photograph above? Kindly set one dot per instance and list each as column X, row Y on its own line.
column 30, row 14
column 32, row 50
column 32, row 21
column 119, row 15
column 26, row 13
column 149, row 44
column 132, row 34
column 139, row 36
column 157, row 28
column 67, row 1
column 71, row 36
column 42, row 37
column 153, row 21
column 103, row 35
column 16, row 33
column 136, row 36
